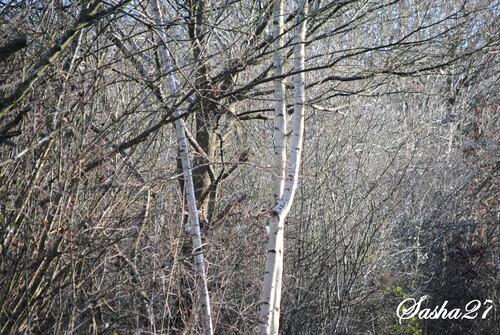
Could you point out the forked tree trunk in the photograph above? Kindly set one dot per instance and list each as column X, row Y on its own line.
column 271, row 295
column 194, row 222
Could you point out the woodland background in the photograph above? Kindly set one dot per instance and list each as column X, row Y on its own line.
column 399, row 184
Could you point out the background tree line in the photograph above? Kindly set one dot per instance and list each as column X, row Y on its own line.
column 399, row 183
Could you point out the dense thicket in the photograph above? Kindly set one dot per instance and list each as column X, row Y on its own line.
column 399, row 186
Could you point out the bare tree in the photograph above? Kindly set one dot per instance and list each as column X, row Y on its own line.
column 398, row 171
column 271, row 295
column 194, row 226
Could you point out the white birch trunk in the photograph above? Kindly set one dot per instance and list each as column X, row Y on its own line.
column 279, row 102
column 271, row 295
column 194, row 223
column 279, row 150
column 269, row 288
column 194, row 229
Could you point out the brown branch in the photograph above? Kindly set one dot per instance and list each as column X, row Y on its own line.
column 86, row 18
column 134, row 141
column 12, row 47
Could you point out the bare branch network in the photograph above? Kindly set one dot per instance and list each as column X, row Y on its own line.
column 242, row 167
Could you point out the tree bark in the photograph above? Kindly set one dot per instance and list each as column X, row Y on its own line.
column 279, row 102
column 271, row 295
column 279, row 147
column 194, row 223
column 205, row 112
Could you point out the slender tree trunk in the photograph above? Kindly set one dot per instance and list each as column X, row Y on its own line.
column 194, row 228
column 279, row 147
column 279, row 102
column 271, row 295
column 194, row 222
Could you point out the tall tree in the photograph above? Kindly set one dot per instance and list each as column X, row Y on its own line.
column 271, row 292
column 194, row 226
